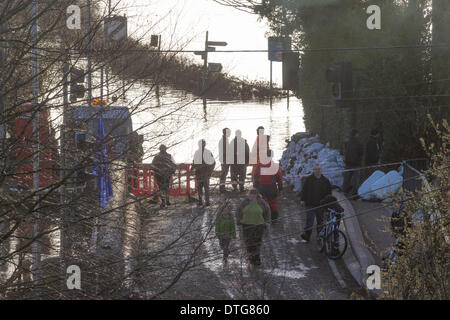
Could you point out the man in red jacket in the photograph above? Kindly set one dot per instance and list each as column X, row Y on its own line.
column 268, row 179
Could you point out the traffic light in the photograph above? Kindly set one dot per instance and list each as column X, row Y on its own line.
column 290, row 70
column 77, row 90
column 341, row 79
column 154, row 40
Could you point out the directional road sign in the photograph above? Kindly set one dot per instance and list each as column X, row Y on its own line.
column 216, row 43
column 200, row 53
column 276, row 44
column 116, row 28
column 214, row 67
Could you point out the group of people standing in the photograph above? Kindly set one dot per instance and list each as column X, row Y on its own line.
column 256, row 210
column 260, row 207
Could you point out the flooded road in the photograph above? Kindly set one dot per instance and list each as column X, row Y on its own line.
column 179, row 120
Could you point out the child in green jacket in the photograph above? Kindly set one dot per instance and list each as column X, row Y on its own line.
column 225, row 229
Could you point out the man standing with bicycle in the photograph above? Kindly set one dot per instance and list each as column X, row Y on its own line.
column 315, row 188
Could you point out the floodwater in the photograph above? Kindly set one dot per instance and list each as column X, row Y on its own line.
column 179, row 121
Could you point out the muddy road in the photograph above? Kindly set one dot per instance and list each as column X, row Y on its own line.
column 180, row 258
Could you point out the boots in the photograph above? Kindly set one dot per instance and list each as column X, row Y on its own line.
column 275, row 216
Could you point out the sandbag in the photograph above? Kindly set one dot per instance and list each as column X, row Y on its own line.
column 315, row 147
column 364, row 190
column 387, row 185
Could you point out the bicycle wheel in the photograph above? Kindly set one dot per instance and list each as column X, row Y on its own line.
column 335, row 244
column 320, row 243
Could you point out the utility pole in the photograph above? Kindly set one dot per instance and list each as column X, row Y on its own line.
column 3, row 40
column 102, row 70
column 35, row 84
column 270, row 90
column 205, row 71
column 63, row 192
column 287, row 99
column 157, row 73
column 89, row 37
column 107, row 65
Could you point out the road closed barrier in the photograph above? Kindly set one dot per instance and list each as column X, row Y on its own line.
column 143, row 182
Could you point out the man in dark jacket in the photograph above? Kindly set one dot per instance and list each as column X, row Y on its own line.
column 240, row 161
column 203, row 166
column 353, row 158
column 315, row 188
column 372, row 152
column 224, row 157
column 164, row 167
column 372, row 149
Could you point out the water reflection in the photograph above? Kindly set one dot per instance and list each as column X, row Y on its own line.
column 180, row 120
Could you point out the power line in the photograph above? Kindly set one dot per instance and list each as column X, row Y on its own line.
column 246, row 50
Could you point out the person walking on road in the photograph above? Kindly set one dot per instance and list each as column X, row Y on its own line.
column 353, row 159
column 240, row 161
column 260, row 147
column 224, row 157
column 203, row 166
column 164, row 167
column 315, row 188
column 253, row 215
column 225, row 229
column 268, row 179
column 372, row 152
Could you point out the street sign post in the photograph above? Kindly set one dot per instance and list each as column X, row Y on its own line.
column 209, row 67
column 276, row 47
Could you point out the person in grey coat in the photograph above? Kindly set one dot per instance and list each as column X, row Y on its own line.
column 353, row 159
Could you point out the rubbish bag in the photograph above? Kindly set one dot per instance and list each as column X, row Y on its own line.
column 365, row 191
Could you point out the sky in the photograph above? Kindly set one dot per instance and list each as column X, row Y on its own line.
column 185, row 22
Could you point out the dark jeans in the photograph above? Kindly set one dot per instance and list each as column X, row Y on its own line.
column 238, row 173
column 203, row 184
column 164, row 187
column 223, row 175
column 225, row 246
column 253, row 238
column 351, row 181
column 311, row 215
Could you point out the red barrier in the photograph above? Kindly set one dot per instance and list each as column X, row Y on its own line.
column 143, row 182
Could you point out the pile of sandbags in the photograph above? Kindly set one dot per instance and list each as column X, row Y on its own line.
column 303, row 152
column 381, row 186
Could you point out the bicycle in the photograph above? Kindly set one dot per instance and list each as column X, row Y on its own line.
column 391, row 257
column 331, row 238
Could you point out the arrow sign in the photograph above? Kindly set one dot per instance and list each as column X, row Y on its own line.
column 216, row 43
column 116, row 28
column 200, row 53
column 214, row 67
